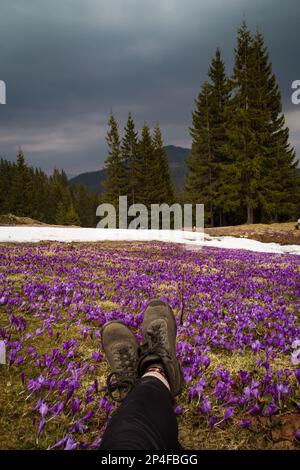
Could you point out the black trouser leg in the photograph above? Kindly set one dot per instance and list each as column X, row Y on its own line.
column 144, row 420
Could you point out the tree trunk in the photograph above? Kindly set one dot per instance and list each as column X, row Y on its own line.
column 249, row 215
column 220, row 217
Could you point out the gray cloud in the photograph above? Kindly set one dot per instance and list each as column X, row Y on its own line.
column 67, row 63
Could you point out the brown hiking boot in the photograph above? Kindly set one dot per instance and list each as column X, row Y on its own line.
column 121, row 349
column 159, row 334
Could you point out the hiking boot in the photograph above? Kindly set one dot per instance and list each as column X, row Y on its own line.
column 159, row 335
column 121, row 350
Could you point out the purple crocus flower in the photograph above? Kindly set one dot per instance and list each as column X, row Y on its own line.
column 96, row 356
column 206, row 361
column 213, row 420
column 205, row 407
column 178, row 410
column 228, row 413
column 43, row 410
column 245, row 423
column 71, row 443
column 295, row 357
column 57, row 408
column 75, row 405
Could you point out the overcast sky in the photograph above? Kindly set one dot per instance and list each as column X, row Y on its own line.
column 66, row 63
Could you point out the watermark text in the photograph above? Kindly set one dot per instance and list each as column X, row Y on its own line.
column 2, row 92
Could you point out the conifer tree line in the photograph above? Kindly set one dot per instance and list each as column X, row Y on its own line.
column 241, row 165
column 136, row 166
column 29, row 192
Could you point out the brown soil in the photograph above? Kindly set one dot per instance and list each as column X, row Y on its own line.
column 284, row 233
column 13, row 220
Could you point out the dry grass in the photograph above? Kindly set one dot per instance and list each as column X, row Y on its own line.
column 283, row 233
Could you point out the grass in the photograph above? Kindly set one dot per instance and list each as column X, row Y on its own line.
column 282, row 233
column 17, row 427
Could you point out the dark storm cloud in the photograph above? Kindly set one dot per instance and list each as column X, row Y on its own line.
column 67, row 63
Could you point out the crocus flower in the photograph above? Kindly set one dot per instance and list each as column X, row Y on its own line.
column 75, row 405
column 71, row 443
column 178, row 410
column 205, row 407
column 245, row 423
column 43, row 410
column 295, row 357
column 228, row 413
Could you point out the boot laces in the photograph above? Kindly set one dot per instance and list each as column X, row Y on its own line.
column 123, row 378
column 156, row 344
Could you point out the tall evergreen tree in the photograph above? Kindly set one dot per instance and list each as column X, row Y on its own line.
column 200, row 177
column 7, row 172
column 72, row 217
column 243, row 116
column 204, row 181
column 278, row 192
column 164, row 192
column 115, row 182
column 144, row 168
column 85, row 205
column 59, row 192
column 129, row 153
column 60, row 214
column 262, row 162
column 22, row 187
column 220, row 93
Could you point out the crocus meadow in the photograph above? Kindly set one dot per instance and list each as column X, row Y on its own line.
column 238, row 333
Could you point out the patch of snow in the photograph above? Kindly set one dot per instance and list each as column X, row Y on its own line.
column 192, row 240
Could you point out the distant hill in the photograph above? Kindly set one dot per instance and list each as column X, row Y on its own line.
column 93, row 180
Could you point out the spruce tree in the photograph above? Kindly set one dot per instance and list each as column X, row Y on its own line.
column 262, row 165
column 199, row 185
column 205, row 178
column 144, row 168
column 164, row 192
column 278, row 191
column 220, row 93
column 243, row 115
column 7, row 173
column 115, row 182
column 129, row 153
column 60, row 214
column 21, row 187
column 72, row 217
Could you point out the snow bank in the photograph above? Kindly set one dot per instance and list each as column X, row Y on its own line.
column 192, row 240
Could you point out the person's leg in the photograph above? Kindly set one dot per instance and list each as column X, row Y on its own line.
column 145, row 420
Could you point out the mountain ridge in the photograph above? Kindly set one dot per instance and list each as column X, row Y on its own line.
column 93, row 180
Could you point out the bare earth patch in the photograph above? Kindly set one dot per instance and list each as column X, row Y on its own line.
column 283, row 233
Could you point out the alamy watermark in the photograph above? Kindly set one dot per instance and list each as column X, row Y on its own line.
column 295, row 98
column 160, row 216
column 2, row 92
column 2, row 352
